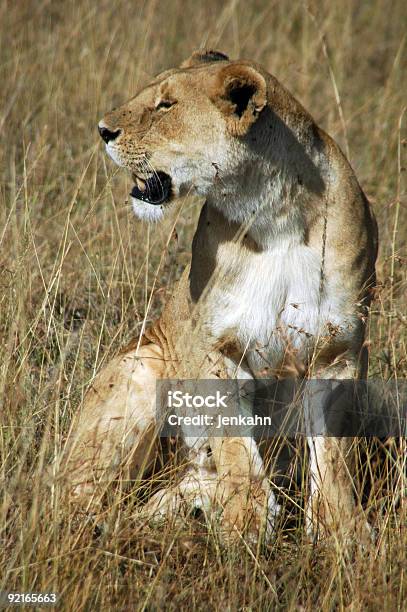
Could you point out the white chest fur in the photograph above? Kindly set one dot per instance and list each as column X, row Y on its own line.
column 274, row 299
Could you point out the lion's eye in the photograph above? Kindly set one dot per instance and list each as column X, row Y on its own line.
column 165, row 105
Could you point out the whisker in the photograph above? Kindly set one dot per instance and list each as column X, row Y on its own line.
column 156, row 176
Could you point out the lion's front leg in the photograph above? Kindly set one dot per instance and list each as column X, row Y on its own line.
column 243, row 491
column 331, row 507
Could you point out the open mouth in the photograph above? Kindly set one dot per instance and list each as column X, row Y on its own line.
column 156, row 189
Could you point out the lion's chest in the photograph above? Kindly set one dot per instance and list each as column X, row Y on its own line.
column 272, row 303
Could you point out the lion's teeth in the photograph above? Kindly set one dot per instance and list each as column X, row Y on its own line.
column 141, row 184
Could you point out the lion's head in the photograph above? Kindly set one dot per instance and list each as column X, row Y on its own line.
column 183, row 128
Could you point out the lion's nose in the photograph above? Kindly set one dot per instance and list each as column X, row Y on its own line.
column 107, row 134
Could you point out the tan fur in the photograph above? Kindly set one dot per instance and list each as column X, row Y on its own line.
column 280, row 197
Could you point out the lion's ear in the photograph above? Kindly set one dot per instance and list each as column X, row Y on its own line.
column 204, row 56
column 240, row 92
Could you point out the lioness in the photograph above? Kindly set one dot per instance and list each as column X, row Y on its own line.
column 283, row 260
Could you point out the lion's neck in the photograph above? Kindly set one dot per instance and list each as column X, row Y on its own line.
column 276, row 211
column 276, row 192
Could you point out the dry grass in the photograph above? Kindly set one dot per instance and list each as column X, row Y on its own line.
column 76, row 272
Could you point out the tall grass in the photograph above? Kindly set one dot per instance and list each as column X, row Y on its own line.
column 76, row 273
